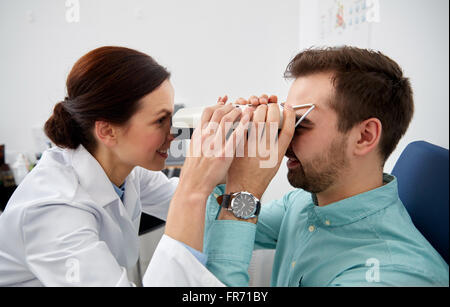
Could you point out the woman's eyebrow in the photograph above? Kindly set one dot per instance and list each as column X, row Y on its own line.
column 166, row 111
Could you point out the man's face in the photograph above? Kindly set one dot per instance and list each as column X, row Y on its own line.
column 318, row 154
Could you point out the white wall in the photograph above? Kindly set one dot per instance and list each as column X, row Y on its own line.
column 415, row 33
column 212, row 48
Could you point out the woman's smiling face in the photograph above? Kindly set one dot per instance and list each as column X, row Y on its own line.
column 145, row 139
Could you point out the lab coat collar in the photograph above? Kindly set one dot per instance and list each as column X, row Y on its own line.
column 131, row 197
column 92, row 177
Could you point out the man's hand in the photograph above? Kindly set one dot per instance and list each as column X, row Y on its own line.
column 210, row 156
column 251, row 172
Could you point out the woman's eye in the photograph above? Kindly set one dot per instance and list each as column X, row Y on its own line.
column 162, row 120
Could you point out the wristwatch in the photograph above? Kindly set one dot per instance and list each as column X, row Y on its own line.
column 243, row 204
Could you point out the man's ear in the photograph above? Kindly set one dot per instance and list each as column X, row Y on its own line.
column 368, row 135
column 105, row 133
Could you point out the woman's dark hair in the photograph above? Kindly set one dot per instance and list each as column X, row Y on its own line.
column 367, row 84
column 105, row 84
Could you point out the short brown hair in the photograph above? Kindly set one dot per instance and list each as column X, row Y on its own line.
column 367, row 85
column 105, row 84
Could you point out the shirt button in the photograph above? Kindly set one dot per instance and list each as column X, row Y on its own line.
column 327, row 222
column 311, row 228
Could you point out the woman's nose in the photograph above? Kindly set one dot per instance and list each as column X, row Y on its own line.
column 170, row 137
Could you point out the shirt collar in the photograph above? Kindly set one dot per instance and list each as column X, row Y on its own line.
column 119, row 190
column 355, row 208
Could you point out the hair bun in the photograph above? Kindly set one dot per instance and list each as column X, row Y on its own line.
column 62, row 129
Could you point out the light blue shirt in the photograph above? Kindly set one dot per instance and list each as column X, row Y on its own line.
column 197, row 254
column 120, row 191
column 365, row 240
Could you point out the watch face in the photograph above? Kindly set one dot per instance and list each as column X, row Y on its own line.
column 244, row 206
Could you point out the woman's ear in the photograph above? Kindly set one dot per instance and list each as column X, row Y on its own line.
column 105, row 133
column 368, row 135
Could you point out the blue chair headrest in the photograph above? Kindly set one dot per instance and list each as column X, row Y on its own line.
column 423, row 183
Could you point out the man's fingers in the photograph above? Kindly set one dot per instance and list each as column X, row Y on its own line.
column 273, row 122
column 253, row 100
column 241, row 101
column 259, row 123
column 287, row 130
column 256, row 101
column 273, row 114
column 264, row 99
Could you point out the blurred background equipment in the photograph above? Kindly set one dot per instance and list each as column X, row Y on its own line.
column 7, row 182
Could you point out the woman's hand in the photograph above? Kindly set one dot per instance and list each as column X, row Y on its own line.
column 256, row 101
column 209, row 158
column 210, row 153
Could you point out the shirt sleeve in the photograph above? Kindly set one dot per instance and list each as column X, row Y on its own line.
column 68, row 251
column 269, row 224
column 156, row 192
column 229, row 244
column 269, row 219
column 229, row 247
column 201, row 257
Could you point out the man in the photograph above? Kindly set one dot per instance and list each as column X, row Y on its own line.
column 345, row 224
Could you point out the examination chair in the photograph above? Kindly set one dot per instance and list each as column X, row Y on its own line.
column 423, row 183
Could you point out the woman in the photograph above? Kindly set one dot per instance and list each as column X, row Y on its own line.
column 74, row 220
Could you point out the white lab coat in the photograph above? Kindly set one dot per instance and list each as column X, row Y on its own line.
column 172, row 265
column 66, row 226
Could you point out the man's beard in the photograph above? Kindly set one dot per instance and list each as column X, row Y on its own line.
column 321, row 172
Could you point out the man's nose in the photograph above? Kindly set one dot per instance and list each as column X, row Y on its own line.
column 290, row 147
